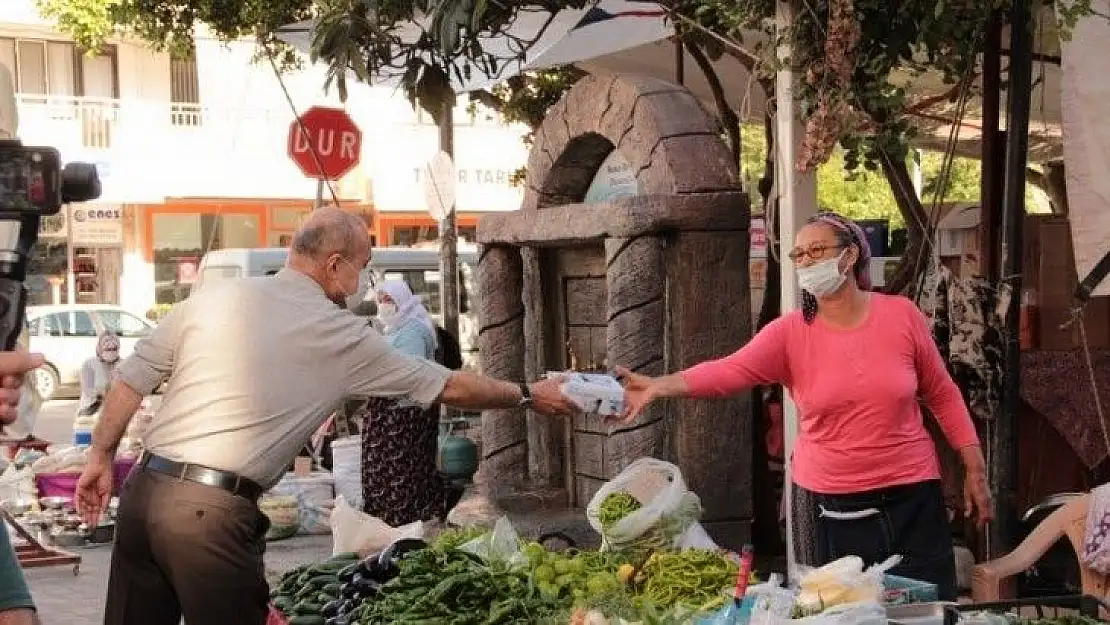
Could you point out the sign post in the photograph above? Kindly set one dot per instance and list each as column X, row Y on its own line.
column 440, row 179
column 325, row 144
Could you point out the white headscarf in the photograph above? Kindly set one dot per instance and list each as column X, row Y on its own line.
column 408, row 307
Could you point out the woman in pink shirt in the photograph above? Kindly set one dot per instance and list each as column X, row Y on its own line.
column 856, row 364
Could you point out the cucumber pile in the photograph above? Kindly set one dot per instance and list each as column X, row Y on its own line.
column 304, row 591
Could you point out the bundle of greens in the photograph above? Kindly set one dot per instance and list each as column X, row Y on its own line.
column 455, row 587
column 617, row 506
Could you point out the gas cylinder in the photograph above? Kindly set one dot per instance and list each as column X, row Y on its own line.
column 458, row 455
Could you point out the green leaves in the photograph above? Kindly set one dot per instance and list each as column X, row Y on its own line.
column 89, row 22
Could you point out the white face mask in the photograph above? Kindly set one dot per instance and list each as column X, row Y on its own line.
column 387, row 310
column 109, row 356
column 822, row 279
column 352, row 300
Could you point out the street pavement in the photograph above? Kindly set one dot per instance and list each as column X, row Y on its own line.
column 65, row 598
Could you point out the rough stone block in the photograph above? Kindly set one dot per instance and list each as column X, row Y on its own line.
column 683, row 164
column 636, row 273
column 711, row 440
column 672, row 113
column 584, row 489
column 585, row 105
column 502, row 429
column 575, row 224
column 589, row 454
column 636, row 336
column 623, row 447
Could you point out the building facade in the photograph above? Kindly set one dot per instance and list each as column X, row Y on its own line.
column 192, row 157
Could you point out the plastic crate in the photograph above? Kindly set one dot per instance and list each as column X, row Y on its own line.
column 1037, row 607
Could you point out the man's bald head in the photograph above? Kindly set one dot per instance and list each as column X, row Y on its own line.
column 333, row 248
column 329, row 231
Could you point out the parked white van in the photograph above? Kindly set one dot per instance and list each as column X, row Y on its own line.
column 417, row 266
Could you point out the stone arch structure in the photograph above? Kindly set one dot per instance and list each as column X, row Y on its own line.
column 666, row 270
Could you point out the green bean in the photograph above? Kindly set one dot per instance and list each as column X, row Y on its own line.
column 615, row 507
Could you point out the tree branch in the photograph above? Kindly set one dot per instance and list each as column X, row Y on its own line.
column 729, row 119
column 487, row 99
column 917, row 247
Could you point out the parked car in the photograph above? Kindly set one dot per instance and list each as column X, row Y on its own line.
column 66, row 335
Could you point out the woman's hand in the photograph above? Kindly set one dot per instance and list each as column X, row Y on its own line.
column 977, row 493
column 641, row 390
column 977, row 498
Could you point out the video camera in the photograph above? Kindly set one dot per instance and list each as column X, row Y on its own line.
column 33, row 184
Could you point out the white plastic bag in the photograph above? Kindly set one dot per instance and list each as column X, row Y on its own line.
column 315, row 494
column 669, row 512
column 346, row 467
column 502, row 544
column 843, row 581
column 862, row 613
column 354, row 530
column 18, row 485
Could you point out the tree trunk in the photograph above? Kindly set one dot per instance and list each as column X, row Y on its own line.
column 917, row 253
column 765, row 526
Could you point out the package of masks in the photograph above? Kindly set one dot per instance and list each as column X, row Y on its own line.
column 594, row 393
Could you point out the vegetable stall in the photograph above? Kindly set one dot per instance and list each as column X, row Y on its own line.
column 655, row 566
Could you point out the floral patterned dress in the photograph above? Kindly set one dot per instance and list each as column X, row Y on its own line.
column 400, row 483
column 400, row 480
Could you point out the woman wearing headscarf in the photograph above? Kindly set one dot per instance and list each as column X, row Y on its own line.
column 400, row 482
column 866, row 472
column 97, row 373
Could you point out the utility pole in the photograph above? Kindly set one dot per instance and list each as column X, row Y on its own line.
column 1004, row 465
column 448, row 236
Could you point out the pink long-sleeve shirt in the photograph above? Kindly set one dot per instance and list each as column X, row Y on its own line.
column 860, row 425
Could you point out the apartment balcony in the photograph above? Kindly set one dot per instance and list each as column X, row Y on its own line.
column 149, row 150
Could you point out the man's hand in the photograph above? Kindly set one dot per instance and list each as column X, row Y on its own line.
column 19, row 616
column 13, row 366
column 548, row 400
column 94, row 488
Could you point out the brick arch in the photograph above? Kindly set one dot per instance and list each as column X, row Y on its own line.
column 660, row 128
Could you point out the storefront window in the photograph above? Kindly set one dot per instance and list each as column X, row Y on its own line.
column 408, row 236
column 46, row 273
column 180, row 240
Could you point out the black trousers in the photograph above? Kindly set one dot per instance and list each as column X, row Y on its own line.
column 909, row 520
column 186, row 549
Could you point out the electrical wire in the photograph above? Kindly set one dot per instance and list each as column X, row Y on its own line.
column 300, row 125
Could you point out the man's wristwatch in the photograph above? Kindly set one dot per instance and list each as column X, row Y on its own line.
column 525, row 396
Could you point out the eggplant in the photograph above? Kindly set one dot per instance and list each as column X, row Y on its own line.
column 383, row 573
column 349, row 591
column 368, row 588
column 391, row 554
column 331, row 608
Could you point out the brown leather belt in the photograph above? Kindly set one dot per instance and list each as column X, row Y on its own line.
column 224, row 480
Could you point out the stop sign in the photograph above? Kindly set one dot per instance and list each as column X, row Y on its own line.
column 325, row 143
